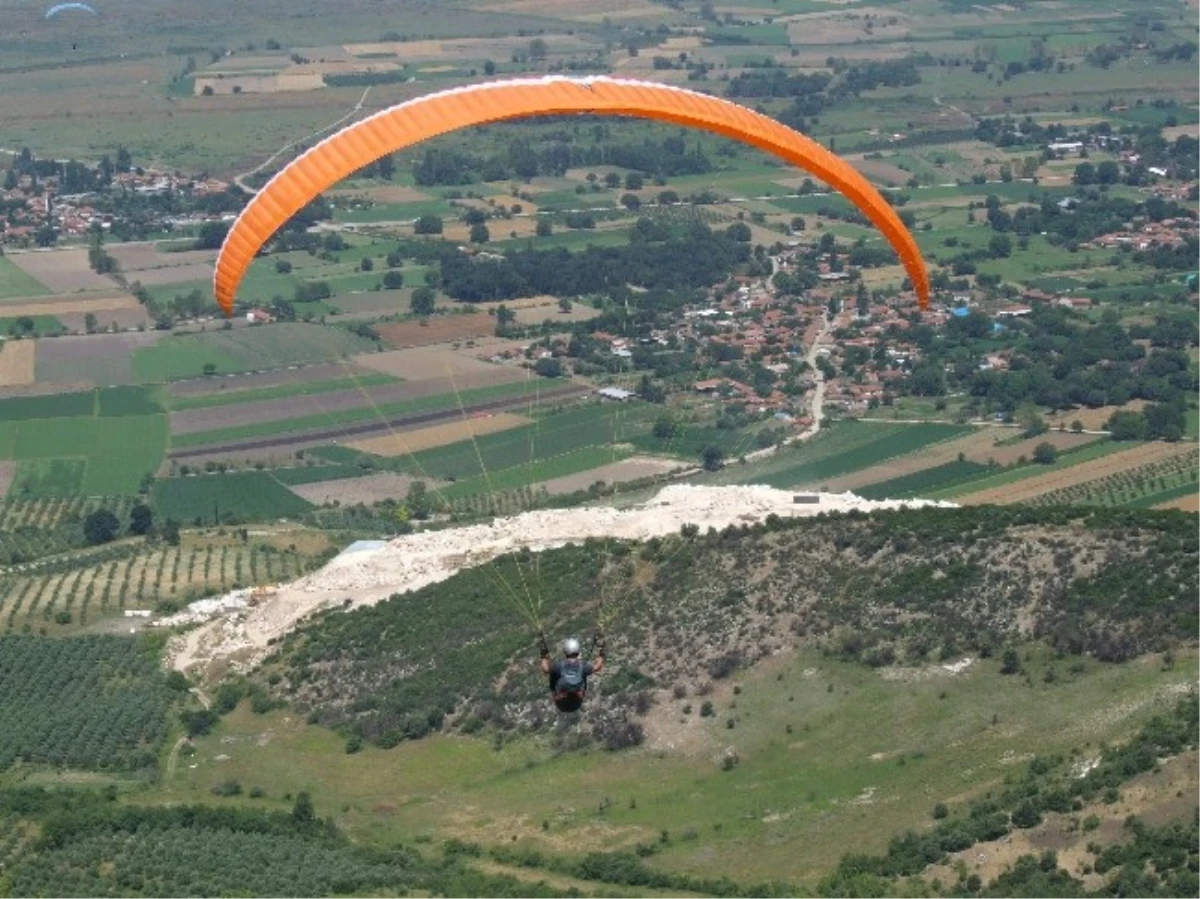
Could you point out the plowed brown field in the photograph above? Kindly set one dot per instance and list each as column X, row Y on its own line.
column 405, row 442
column 437, row 329
column 17, row 363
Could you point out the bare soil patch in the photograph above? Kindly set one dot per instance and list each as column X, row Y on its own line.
column 621, row 472
column 437, row 329
column 7, row 471
column 260, row 84
column 107, row 319
column 93, row 358
column 405, row 442
column 879, row 170
column 391, row 193
column 352, row 491
column 1007, row 455
column 1092, row 419
column 464, row 366
column 1184, row 503
column 65, row 306
column 17, row 359
column 593, row 11
column 63, row 271
column 1076, row 474
column 142, row 255
column 499, row 229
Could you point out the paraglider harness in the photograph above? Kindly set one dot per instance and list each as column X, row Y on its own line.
column 570, row 687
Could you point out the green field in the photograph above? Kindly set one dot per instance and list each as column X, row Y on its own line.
column 833, row 757
column 42, row 324
column 849, row 446
column 119, row 451
column 1015, row 473
column 15, row 284
column 245, row 349
column 594, row 426
column 245, row 496
column 58, row 405
column 279, row 391
column 920, row 483
column 518, row 476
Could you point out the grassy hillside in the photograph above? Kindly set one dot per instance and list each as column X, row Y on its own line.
column 798, row 688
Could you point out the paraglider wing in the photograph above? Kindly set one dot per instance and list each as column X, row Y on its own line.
column 62, row 7
column 417, row 120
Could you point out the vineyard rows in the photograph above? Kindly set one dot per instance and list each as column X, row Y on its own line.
column 110, row 583
column 1134, row 486
column 49, row 513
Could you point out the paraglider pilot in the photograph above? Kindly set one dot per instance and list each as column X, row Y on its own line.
column 568, row 676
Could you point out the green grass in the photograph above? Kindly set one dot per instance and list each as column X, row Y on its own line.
column 245, row 349
column 130, row 400
column 16, row 284
column 247, row 496
column 59, row 405
column 42, row 324
column 1179, row 491
column 280, row 391
column 49, row 477
column 921, row 482
column 336, row 417
column 1191, row 419
column 792, row 797
column 120, row 452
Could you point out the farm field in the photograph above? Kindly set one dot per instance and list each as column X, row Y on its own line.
column 146, row 263
column 614, row 473
column 233, row 496
column 291, row 384
column 299, row 400
column 338, row 424
column 96, row 359
column 244, row 349
column 61, row 270
column 367, row 489
column 17, row 363
column 92, row 453
column 848, row 447
column 16, row 283
column 1117, row 461
column 984, row 446
column 297, row 377
column 414, row 441
column 1163, row 480
column 66, row 594
column 437, row 329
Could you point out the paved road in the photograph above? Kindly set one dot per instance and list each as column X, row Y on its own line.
column 373, row 426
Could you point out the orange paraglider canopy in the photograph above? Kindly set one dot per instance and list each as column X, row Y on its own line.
column 417, row 120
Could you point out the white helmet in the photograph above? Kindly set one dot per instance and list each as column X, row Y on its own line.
column 570, row 647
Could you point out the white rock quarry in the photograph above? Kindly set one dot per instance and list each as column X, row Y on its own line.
column 238, row 632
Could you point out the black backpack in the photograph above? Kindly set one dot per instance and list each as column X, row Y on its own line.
column 570, row 677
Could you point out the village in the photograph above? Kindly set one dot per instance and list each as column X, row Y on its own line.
column 38, row 211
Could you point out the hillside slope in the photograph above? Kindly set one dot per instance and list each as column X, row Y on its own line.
column 906, row 587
